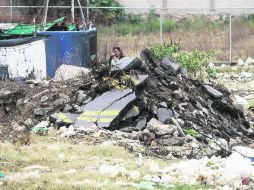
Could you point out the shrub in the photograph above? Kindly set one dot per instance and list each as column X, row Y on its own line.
column 196, row 62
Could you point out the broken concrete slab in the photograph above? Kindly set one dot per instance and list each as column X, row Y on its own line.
column 8, row 97
column 169, row 64
column 82, row 98
column 163, row 105
column 213, row 92
column 105, row 121
column 63, row 118
column 179, row 128
column 65, row 72
column 133, row 112
column 40, row 112
column 164, row 115
column 141, row 125
column 103, row 110
column 173, row 141
column 159, row 128
column 138, row 79
column 178, row 94
column 127, row 64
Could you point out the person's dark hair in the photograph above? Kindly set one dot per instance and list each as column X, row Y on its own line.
column 119, row 49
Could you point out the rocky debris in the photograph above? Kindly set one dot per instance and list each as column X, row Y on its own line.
column 127, row 64
column 213, row 92
column 148, row 106
column 10, row 98
column 170, row 65
column 65, row 72
column 37, row 168
column 112, row 171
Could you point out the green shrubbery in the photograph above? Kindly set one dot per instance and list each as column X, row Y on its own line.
column 136, row 24
column 196, row 62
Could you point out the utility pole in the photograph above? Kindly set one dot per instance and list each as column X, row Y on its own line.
column 45, row 14
column 82, row 14
column 72, row 11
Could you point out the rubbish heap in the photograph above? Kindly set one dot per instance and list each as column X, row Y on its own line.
column 147, row 105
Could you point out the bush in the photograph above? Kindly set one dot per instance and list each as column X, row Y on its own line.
column 195, row 62
column 106, row 16
column 133, row 19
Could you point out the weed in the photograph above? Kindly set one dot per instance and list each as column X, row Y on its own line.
column 195, row 62
column 191, row 132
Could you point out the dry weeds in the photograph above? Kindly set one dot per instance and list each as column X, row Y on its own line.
column 216, row 39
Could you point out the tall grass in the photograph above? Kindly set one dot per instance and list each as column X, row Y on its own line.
column 193, row 33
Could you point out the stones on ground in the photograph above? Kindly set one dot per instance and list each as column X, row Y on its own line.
column 178, row 94
column 18, row 128
column 249, row 61
column 37, row 168
column 112, row 171
column 163, row 105
column 164, row 115
column 66, row 72
column 40, row 112
column 160, row 129
column 240, row 62
column 82, row 98
column 213, row 92
column 10, row 97
column 23, row 177
column 246, row 75
column 172, row 141
column 141, row 124
column 179, row 128
column 169, row 64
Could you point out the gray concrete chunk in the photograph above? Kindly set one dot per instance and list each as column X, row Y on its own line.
column 213, row 92
column 168, row 63
column 159, row 128
column 164, row 115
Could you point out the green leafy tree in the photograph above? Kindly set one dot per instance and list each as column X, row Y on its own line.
column 96, row 15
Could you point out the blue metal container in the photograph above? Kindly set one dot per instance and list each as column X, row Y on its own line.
column 78, row 48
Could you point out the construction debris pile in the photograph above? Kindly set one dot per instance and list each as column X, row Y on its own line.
column 147, row 105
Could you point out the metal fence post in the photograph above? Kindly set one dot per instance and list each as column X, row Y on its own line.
column 87, row 11
column 230, row 32
column 11, row 10
column 161, row 22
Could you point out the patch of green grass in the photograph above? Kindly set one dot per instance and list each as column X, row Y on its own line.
column 251, row 102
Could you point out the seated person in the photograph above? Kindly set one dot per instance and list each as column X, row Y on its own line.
column 115, row 57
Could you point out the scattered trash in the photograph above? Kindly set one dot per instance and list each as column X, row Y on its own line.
column 146, row 185
column 2, row 176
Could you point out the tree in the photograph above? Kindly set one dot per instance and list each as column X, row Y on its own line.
column 96, row 15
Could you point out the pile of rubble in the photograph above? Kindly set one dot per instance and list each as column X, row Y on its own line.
column 146, row 105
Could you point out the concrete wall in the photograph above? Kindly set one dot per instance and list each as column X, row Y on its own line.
column 3, row 11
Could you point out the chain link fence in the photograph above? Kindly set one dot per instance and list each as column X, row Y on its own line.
column 228, row 31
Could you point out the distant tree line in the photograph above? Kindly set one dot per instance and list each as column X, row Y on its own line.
column 96, row 15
